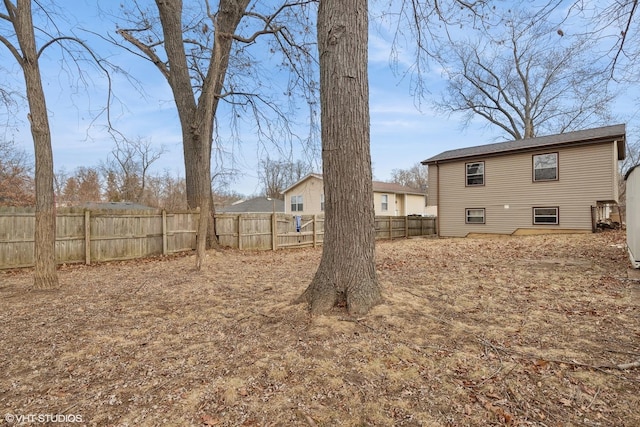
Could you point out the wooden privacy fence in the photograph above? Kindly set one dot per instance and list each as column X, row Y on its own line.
column 85, row 236
column 275, row 231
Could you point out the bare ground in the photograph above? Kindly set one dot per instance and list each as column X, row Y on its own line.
column 515, row 331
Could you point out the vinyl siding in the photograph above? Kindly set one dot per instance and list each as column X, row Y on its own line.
column 614, row 171
column 587, row 174
column 414, row 205
column 391, row 203
column 432, row 186
column 311, row 190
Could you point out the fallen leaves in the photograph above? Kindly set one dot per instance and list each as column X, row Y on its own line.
column 509, row 331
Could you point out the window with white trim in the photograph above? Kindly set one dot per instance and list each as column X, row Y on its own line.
column 296, row 204
column 545, row 167
column 474, row 173
column 384, row 205
column 474, row 216
column 546, row 216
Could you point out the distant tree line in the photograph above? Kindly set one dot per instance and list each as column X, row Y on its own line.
column 124, row 176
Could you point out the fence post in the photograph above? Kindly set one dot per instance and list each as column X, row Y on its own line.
column 274, row 231
column 164, row 232
column 239, row 231
column 406, row 227
column 390, row 228
column 87, row 236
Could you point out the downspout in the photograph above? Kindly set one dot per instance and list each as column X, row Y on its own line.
column 437, row 199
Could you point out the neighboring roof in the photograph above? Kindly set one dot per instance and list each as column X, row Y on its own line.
column 378, row 186
column 115, row 205
column 392, row 187
column 309, row 176
column 589, row 136
column 255, row 205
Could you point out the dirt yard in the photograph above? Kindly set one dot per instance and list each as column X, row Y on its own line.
column 512, row 331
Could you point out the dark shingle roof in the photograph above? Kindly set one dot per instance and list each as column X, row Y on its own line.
column 589, row 136
column 255, row 205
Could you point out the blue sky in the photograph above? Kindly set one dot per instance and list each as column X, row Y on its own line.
column 401, row 134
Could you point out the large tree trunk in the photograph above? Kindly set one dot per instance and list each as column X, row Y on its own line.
column 45, row 276
column 196, row 117
column 346, row 275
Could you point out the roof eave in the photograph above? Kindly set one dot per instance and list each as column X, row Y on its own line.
column 620, row 139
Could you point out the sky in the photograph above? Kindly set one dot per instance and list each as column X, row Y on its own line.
column 402, row 133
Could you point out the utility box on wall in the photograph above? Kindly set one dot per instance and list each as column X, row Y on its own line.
column 632, row 182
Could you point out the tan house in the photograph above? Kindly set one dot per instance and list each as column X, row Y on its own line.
column 306, row 197
column 547, row 184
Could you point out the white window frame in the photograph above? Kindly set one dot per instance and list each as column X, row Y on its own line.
column 535, row 168
column 468, row 215
column 384, row 203
column 297, row 203
column 536, row 215
column 322, row 202
column 479, row 172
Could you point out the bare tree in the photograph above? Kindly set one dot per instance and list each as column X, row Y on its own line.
column 415, row 177
column 128, row 169
column 163, row 190
column 346, row 274
column 89, row 185
column 70, row 193
column 616, row 27
column 526, row 77
column 195, row 57
column 27, row 43
column 59, row 180
column 16, row 179
column 26, row 54
column 81, row 187
column 276, row 175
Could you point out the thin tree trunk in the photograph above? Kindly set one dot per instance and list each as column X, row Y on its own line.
column 45, row 276
column 346, row 274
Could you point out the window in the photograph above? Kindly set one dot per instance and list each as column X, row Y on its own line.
column 385, row 203
column 322, row 202
column 474, row 216
column 296, row 204
column 475, row 173
column 545, row 216
column 545, row 167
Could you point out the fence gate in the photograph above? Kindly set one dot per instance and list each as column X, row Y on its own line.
column 299, row 230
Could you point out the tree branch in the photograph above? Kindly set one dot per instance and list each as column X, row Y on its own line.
column 147, row 50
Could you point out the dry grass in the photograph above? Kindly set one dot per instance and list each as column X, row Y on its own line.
column 518, row 331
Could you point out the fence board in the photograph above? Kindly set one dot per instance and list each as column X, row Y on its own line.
column 311, row 231
column 106, row 235
column 96, row 235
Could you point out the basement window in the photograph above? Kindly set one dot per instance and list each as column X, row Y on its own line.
column 474, row 216
column 546, row 216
